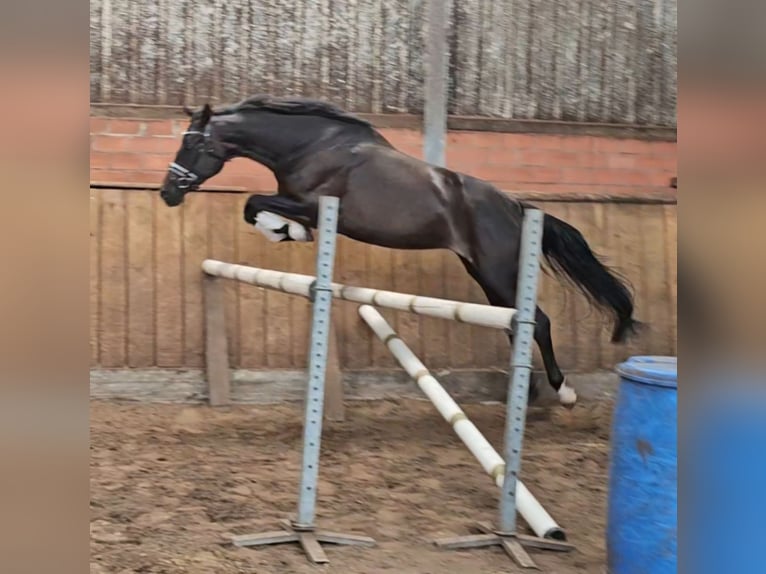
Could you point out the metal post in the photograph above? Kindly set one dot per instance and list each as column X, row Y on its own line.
column 523, row 326
column 436, row 70
column 303, row 530
column 320, row 331
column 521, row 362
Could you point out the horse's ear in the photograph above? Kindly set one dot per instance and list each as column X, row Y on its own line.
column 207, row 111
column 188, row 111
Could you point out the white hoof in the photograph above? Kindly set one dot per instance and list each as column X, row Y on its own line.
column 567, row 395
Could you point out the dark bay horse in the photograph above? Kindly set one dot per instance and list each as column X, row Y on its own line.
column 388, row 199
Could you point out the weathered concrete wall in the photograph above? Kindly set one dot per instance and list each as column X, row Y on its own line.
column 580, row 60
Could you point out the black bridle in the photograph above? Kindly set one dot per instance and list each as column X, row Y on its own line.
column 185, row 177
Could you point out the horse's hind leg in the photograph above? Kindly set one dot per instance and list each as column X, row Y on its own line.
column 499, row 286
column 567, row 395
column 498, row 296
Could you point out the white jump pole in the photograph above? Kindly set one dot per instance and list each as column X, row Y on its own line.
column 296, row 284
column 535, row 515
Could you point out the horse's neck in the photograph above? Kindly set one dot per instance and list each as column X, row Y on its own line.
column 270, row 146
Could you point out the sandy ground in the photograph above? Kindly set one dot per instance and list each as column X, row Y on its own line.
column 169, row 483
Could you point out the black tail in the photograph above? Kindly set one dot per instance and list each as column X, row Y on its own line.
column 567, row 252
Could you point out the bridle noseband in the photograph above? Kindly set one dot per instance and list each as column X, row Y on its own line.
column 185, row 177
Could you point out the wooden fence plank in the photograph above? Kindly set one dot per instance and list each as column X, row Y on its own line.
column 457, row 286
column 113, row 324
column 140, row 221
column 406, row 280
column 252, row 303
column 169, row 312
column 380, row 275
column 356, row 341
column 302, row 260
column 95, row 274
column 656, row 309
column 195, row 250
column 434, row 332
column 223, row 214
column 671, row 261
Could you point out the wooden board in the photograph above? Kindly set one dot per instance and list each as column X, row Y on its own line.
column 168, row 286
column 670, row 217
column 223, row 215
column 95, row 275
column 434, row 332
column 141, row 312
column 195, row 250
column 252, row 302
column 113, row 285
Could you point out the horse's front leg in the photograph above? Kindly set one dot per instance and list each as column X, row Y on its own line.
column 279, row 218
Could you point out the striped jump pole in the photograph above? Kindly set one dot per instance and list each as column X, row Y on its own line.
column 296, row 284
column 492, row 463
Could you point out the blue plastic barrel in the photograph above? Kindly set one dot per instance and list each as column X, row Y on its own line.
column 642, row 505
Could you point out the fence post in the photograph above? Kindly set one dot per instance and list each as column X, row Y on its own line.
column 216, row 345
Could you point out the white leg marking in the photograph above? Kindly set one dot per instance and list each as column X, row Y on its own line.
column 297, row 232
column 267, row 222
column 567, row 395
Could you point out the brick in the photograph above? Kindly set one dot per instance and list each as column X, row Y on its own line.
column 153, row 161
column 503, row 156
column 622, row 160
column 577, row 143
column 481, row 140
column 107, row 143
column 581, row 175
column 180, row 126
column 128, row 161
column 550, row 141
column 106, row 176
column 100, row 160
column 535, row 175
column 163, row 145
column 668, row 149
column 639, row 177
column 241, row 166
column 125, row 127
column 519, row 141
column 158, row 128
column 468, row 159
column 99, row 125
column 402, row 137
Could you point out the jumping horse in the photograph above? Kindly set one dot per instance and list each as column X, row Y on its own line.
column 389, row 199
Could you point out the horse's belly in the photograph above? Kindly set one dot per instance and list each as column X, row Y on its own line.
column 401, row 234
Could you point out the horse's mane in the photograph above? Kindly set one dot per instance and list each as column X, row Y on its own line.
column 293, row 105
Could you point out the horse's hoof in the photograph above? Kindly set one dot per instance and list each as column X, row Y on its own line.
column 567, row 395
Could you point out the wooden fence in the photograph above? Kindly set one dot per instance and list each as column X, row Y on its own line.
column 146, row 290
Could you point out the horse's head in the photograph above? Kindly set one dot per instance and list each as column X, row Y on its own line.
column 200, row 157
